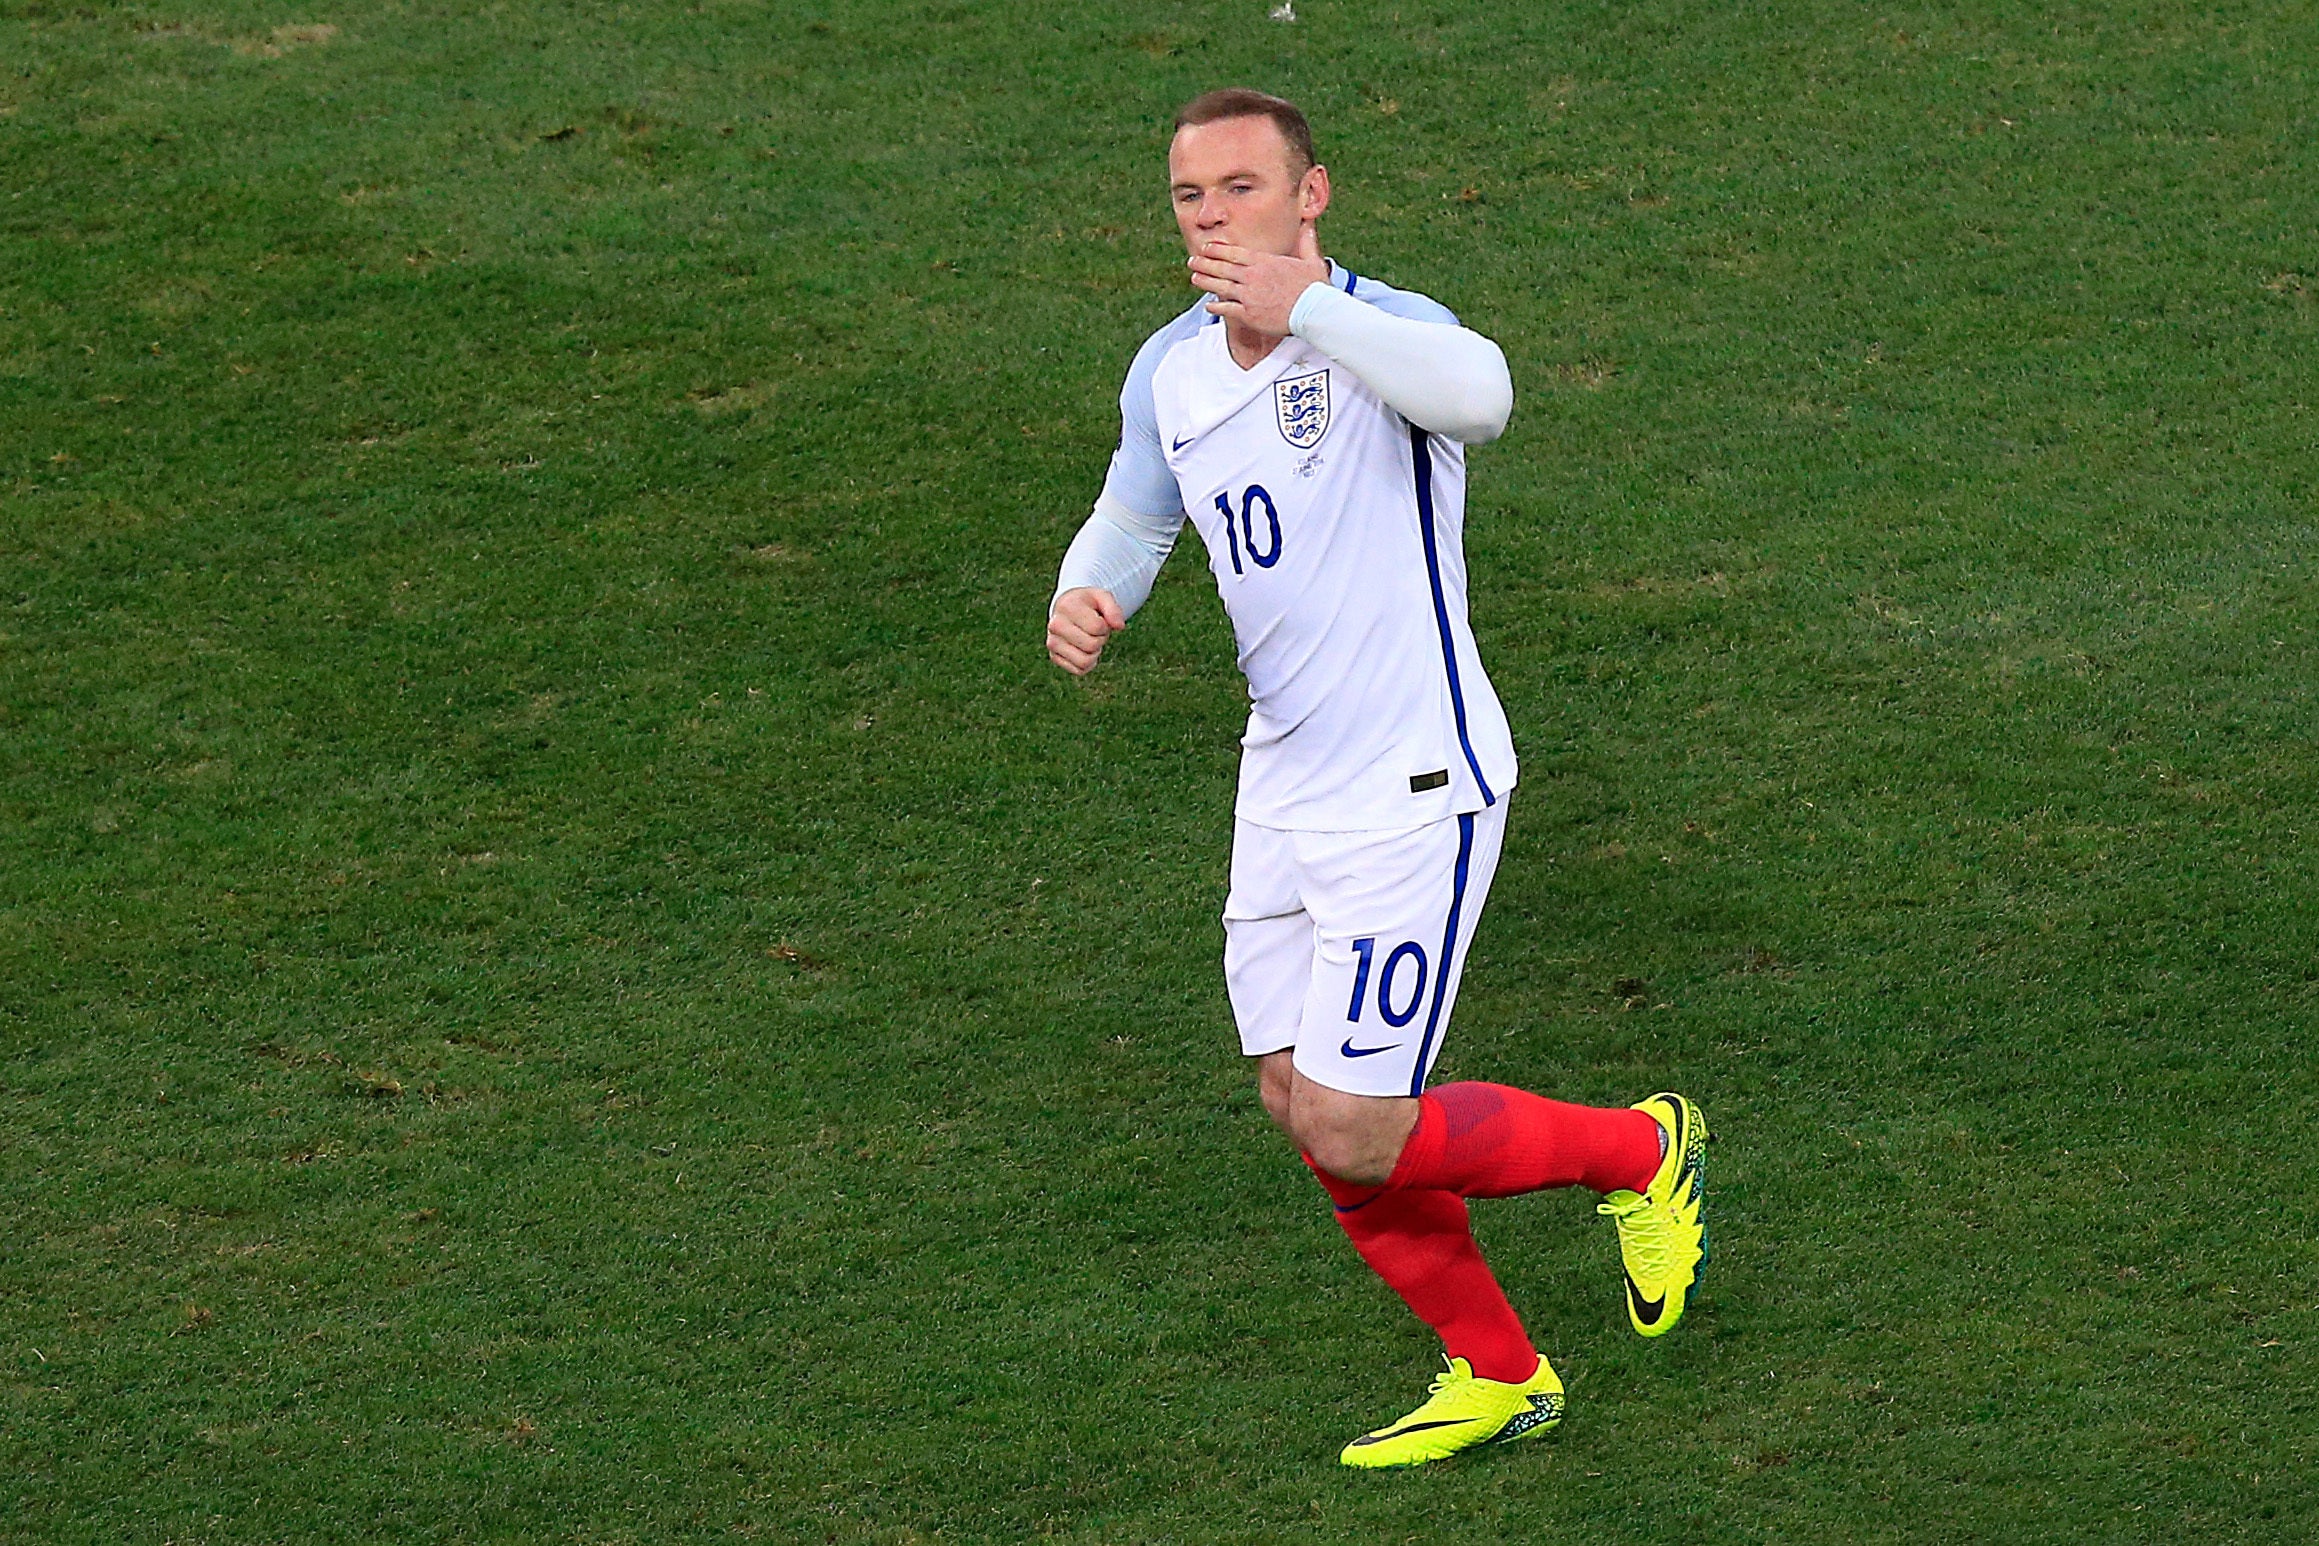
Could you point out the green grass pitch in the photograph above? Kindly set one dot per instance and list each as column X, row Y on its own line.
column 569, row 973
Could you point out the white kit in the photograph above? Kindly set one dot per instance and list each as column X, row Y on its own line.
column 1333, row 529
column 1377, row 759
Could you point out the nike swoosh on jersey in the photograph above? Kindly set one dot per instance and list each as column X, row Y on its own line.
column 1352, row 1051
column 1179, row 445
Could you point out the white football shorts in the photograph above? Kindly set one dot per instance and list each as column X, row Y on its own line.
column 1348, row 946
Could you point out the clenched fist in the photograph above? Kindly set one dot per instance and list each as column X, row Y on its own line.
column 1082, row 620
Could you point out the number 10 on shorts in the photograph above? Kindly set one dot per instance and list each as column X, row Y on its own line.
column 1406, row 961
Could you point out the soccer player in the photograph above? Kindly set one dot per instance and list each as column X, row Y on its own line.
column 1313, row 422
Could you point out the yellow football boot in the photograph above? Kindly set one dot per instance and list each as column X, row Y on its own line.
column 1462, row 1411
column 1662, row 1233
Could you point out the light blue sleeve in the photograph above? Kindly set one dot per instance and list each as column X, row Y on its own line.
column 1392, row 302
column 1122, row 544
column 1118, row 550
column 1412, row 353
column 1139, row 478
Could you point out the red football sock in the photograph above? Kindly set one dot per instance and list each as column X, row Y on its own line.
column 1419, row 1242
column 1491, row 1140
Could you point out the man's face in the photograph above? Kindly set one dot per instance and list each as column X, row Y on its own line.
column 1232, row 180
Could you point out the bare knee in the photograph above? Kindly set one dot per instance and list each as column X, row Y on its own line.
column 1355, row 1138
column 1342, row 1154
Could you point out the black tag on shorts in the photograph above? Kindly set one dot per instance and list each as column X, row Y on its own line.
column 1420, row 782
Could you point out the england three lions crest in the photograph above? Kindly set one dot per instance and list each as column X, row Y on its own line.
column 1301, row 404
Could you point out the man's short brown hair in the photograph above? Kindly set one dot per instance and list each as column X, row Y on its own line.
column 1241, row 102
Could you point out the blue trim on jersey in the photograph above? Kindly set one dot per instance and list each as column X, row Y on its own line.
column 1465, row 853
column 1421, row 459
column 1348, row 281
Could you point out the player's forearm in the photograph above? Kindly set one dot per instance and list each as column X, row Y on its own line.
column 1119, row 550
column 1450, row 380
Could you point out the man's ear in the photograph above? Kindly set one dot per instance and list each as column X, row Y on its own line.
column 1313, row 194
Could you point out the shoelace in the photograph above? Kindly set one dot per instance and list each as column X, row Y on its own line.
column 1652, row 1247
column 1444, row 1380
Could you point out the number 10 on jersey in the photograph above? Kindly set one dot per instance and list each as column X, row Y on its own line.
column 1241, row 532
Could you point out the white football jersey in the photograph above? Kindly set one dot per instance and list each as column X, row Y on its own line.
column 1334, row 529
